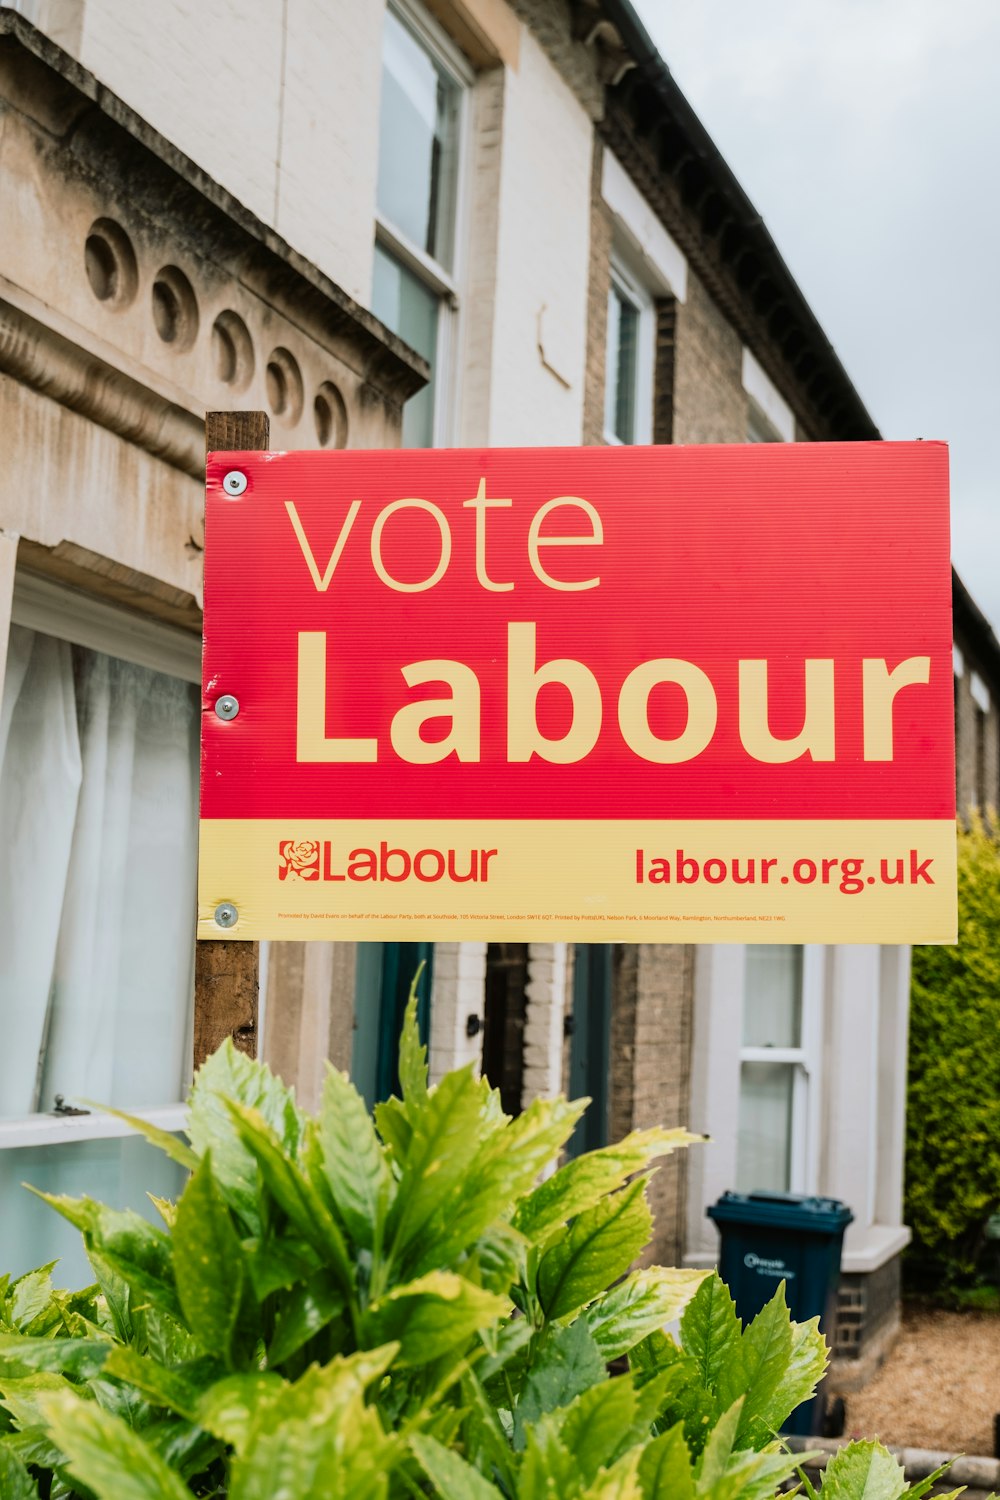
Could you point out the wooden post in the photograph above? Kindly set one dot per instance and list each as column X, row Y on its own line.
column 226, row 974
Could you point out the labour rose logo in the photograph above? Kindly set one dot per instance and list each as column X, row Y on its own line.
column 298, row 859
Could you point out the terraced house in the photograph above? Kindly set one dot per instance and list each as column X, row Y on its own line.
column 456, row 222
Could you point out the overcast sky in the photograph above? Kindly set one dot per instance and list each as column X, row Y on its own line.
column 867, row 134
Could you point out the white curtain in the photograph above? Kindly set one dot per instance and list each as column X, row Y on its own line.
column 98, row 831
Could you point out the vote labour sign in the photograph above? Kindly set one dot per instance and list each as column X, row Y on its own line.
column 603, row 694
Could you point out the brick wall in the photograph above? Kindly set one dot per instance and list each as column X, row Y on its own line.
column 651, row 1022
column 710, row 404
column 866, row 1323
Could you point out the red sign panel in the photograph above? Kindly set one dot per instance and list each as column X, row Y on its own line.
column 604, row 694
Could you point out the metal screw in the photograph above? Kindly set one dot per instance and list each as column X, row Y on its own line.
column 234, row 483
column 227, row 707
column 226, row 914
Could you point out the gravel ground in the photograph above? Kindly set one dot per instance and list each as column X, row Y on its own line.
column 939, row 1388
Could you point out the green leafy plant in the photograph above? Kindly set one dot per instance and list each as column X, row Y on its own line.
column 953, row 1108
column 398, row 1306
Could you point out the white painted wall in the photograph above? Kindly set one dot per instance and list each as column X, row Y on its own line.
column 458, row 991
column 547, row 997
column 278, row 102
column 542, row 259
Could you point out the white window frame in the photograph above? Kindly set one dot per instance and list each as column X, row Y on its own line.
column 446, row 285
column 630, row 287
column 54, row 609
column 717, row 1057
column 805, row 1062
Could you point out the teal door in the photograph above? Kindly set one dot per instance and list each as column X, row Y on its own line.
column 384, row 974
column 590, row 1044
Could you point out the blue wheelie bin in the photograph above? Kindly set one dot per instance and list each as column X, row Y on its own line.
column 772, row 1237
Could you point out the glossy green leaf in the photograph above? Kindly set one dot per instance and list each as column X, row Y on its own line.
column 483, row 1432
column 303, row 1462
column 586, row 1180
column 412, row 1052
column 393, row 1125
column 183, row 1445
column 353, row 1160
column 619, row 1482
column 136, row 1250
column 765, row 1354
column 230, row 1075
column 303, row 1313
column 318, row 1437
column 208, row 1263
column 598, row 1247
column 567, row 1364
column 165, row 1208
column 165, row 1338
column 293, row 1192
column 548, row 1470
column 749, row 1475
column 22, row 1396
column 719, row 1447
column 598, row 1425
column 158, row 1384
column 278, row 1261
column 34, row 1447
column 443, row 1143
column 15, row 1481
column 644, row 1301
column 503, row 1168
column 77, row 1358
column 114, row 1289
column 712, row 1336
column 665, row 1467
column 231, row 1406
column 28, row 1296
column 432, row 1316
column 106, row 1455
column 917, row 1490
column 863, row 1471
column 502, row 1345
column 685, row 1398
column 804, row 1369
column 500, row 1257
column 451, row 1476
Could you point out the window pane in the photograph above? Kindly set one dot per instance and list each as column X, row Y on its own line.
column 119, row 1172
column 623, row 360
column 406, row 306
column 772, row 1011
column 763, row 1155
column 98, row 853
column 418, row 137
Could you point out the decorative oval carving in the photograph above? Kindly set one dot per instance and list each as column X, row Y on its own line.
column 232, row 348
column 110, row 264
column 175, row 308
column 284, row 386
column 330, row 416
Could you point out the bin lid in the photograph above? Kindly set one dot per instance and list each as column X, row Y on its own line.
column 801, row 1211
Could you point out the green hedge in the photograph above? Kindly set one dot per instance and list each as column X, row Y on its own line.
column 953, row 1109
